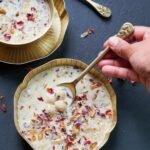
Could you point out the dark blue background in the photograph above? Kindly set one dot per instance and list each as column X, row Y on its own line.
column 133, row 102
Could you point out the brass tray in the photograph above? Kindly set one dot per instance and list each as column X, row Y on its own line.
column 71, row 62
column 42, row 47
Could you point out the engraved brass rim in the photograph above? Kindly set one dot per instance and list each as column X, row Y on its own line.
column 72, row 62
column 43, row 47
column 51, row 5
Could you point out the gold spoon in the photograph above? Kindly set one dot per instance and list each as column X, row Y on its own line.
column 102, row 10
column 126, row 30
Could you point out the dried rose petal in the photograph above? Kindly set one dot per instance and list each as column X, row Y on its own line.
column 40, row 99
column 108, row 112
column 90, row 30
column 78, row 98
column 7, row 37
column 21, row 107
column 20, row 23
column 87, row 142
column 79, row 141
column 60, row 119
column 80, row 104
column 53, row 147
column 17, row 14
column 102, row 115
column 84, row 112
column 3, row 108
column 88, row 107
column 84, row 97
column 30, row 17
column 78, row 124
column 87, row 33
column 50, row 90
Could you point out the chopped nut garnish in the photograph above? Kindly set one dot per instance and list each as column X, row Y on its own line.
column 32, row 132
column 75, row 117
column 94, row 97
column 40, row 136
column 75, row 130
column 2, row 11
column 95, row 85
column 33, row 138
column 92, row 113
column 93, row 145
column 62, row 123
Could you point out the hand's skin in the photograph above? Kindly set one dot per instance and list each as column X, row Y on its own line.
column 129, row 60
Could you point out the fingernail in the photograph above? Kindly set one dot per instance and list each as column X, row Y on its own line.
column 147, row 35
column 113, row 41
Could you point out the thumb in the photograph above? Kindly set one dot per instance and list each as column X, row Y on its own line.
column 120, row 47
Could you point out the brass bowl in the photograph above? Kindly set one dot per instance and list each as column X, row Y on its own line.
column 51, row 5
column 59, row 62
column 43, row 47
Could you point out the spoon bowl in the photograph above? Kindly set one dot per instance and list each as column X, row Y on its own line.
column 71, row 87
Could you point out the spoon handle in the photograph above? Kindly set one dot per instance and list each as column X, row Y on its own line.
column 102, row 10
column 125, row 31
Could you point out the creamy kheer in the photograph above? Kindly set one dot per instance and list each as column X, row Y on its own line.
column 22, row 21
column 82, row 126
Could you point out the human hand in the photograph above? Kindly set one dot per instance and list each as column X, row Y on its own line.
column 129, row 59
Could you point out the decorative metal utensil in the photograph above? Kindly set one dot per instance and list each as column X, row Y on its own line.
column 102, row 10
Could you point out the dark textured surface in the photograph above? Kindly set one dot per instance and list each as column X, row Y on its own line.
column 133, row 128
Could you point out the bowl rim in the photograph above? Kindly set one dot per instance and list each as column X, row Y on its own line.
column 51, row 5
column 71, row 62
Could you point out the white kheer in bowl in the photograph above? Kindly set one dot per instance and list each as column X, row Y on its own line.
column 47, row 121
column 24, row 21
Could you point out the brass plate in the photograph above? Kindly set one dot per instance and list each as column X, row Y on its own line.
column 44, row 46
column 72, row 62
